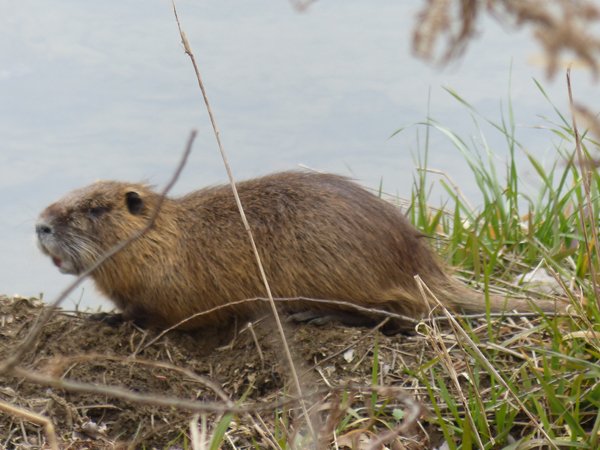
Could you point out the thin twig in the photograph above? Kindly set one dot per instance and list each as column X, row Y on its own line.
column 585, row 168
column 250, row 327
column 126, row 394
column 33, row 417
column 356, row 307
column 457, row 190
column 95, row 357
column 355, row 342
column 263, row 275
column 363, row 309
column 112, row 391
column 414, row 412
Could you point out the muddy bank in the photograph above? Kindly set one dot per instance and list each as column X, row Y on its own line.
column 245, row 365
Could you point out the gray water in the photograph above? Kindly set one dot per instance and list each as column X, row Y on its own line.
column 97, row 90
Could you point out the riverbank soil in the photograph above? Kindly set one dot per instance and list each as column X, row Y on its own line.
column 136, row 386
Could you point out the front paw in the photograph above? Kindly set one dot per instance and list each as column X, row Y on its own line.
column 111, row 319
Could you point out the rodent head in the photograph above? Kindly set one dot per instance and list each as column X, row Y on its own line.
column 84, row 224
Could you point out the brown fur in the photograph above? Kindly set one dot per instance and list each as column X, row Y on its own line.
column 319, row 236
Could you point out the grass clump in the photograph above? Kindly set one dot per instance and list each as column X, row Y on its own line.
column 518, row 382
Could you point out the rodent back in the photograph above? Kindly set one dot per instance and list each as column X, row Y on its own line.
column 316, row 233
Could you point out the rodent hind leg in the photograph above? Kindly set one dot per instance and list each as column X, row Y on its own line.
column 109, row 318
column 351, row 319
column 322, row 317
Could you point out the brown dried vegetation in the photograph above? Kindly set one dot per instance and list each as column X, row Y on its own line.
column 142, row 391
column 560, row 26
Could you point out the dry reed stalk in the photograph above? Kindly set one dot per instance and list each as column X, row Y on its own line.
column 585, row 168
column 197, row 438
column 263, row 431
column 288, row 353
column 559, row 26
column 35, row 418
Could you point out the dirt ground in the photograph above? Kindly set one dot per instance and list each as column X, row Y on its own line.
column 247, row 364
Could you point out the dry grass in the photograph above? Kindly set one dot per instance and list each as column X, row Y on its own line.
column 560, row 27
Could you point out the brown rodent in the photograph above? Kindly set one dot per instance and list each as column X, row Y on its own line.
column 319, row 236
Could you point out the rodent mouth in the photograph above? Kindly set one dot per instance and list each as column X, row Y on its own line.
column 60, row 259
column 65, row 265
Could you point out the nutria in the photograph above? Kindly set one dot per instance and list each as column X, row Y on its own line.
column 319, row 236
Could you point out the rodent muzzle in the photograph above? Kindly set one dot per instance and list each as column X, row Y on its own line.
column 50, row 246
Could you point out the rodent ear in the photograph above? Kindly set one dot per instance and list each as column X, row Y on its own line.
column 135, row 204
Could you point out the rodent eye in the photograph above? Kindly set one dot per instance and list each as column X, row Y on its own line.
column 97, row 211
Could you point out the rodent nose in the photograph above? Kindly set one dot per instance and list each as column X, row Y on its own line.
column 43, row 228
